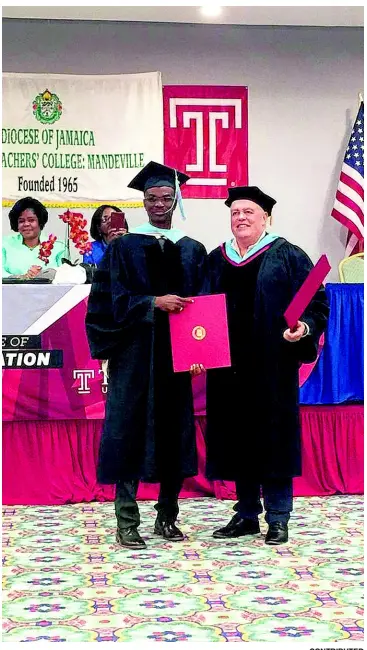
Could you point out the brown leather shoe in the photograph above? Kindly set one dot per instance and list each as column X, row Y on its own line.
column 168, row 530
column 130, row 538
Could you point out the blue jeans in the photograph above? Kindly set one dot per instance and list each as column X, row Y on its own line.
column 278, row 499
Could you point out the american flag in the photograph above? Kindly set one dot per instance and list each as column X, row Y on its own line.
column 349, row 205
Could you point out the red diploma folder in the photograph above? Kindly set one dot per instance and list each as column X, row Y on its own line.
column 307, row 291
column 199, row 334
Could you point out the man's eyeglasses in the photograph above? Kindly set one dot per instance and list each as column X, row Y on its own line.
column 152, row 200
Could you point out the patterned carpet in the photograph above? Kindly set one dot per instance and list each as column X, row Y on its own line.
column 66, row 580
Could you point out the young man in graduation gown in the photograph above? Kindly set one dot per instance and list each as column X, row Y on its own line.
column 253, row 429
column 149, row 431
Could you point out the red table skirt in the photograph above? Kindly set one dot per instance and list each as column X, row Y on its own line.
column 54, row 462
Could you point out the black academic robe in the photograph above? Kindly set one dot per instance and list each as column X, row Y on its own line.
column 253, row 427
column 149, row 430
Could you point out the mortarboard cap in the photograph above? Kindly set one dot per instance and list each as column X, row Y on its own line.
column 156, row 175
column 252, row 193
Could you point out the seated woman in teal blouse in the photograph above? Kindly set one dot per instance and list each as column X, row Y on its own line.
column 20, row 251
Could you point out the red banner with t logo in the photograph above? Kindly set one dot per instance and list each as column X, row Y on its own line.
column 206, row 137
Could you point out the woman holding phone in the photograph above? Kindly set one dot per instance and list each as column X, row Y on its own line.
column 103, row 230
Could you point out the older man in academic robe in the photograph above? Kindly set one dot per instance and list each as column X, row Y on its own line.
column 253, row 428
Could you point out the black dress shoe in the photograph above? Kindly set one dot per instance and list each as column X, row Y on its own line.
column 130, row 538
column 238, row 527
column 277, row 533
column 168, row 530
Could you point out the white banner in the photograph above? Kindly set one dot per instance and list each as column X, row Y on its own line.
column 79, row 139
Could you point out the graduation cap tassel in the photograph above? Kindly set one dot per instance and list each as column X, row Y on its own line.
column 179, row 197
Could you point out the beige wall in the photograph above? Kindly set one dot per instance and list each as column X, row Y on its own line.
column 303, row 97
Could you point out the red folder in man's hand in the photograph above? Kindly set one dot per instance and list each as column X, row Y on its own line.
column 307, row 291
column 199, row 334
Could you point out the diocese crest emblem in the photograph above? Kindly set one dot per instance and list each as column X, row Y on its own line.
column 47, row 107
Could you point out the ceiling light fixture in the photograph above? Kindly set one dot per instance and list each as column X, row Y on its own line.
column 211, row 11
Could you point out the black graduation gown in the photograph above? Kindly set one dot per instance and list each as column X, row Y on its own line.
column 253, row 427
column 149, row 430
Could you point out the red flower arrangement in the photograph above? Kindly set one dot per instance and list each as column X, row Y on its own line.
column 77, row 234
column 46, row 249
